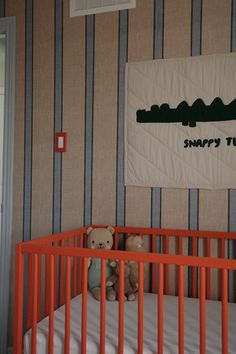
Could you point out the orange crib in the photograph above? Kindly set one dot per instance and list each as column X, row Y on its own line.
column 52, row 270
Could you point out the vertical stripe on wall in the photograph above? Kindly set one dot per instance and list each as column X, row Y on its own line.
column 90, row 28
column 196, row 24
column 105, row 119
column 232, row 192
column 158, row 29
column 157, row 54
column 28, row 133
column 122, row 50
column 58, row 114
column 28, row 121
column 2, row 8
column 196, row 27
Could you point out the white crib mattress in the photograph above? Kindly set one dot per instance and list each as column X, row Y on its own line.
column 213, row 319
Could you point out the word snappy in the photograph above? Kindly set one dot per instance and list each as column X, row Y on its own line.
column 188, row 143
column 209, row 143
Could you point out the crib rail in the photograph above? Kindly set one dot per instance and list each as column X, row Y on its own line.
column 161, row 240
column 66, row 263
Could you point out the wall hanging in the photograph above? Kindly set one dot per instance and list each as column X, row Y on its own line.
column 180, row 122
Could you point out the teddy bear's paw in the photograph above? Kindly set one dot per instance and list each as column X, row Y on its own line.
column 96, row 294
column 109, row 283
column 131, row 297
column 111, row 297
column 113, row 264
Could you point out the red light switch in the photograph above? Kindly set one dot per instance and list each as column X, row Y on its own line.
column 61, row 142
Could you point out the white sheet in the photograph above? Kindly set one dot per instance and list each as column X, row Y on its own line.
column 213, row 316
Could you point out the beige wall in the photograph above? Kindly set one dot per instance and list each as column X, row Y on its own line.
column 216, row 24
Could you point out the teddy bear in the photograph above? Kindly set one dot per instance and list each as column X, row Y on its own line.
column 134, row 243
column 99, row 238
column 130, row 284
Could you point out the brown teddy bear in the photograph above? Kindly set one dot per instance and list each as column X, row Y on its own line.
column 130, row 284
column 134, row 243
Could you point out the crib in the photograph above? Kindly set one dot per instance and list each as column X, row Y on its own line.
column 51, row 276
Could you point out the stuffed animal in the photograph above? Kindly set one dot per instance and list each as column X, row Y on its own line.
column 99, row 238
column 134, row 243
column 130, row 285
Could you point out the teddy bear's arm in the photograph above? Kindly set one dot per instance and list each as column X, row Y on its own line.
column 133, row 281
column 112, row 280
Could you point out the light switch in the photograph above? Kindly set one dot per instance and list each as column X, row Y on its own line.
column 61, row 142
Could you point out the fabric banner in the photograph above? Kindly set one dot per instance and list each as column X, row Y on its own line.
column 180, row 122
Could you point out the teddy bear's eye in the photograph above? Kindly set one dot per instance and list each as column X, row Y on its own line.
column 108, row 241
column 93, row 242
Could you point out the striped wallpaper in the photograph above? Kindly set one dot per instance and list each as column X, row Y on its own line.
column 70, row 76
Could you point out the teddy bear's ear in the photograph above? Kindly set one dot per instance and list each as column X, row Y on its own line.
column 111, row 229
column 89, row 229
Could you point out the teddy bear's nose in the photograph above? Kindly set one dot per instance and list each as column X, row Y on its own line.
column 100, row 244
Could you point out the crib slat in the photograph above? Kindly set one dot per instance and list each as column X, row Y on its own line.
column 74, row 287
column 224, row 302
column 67, row 306
column 180, row 245
column 181, row 309
column 55, row 244
column 194, row 269
column 222, row 255
column 18, row 302
column 51, row 305
column 80, row 266
column 166, row 250
column 47, row 285
column 121, row 308
column 55, row 282
column 34, row 304
column 140, row 308
column 84, row 306
column 39, row 285
column 116, row 238
column 29, row 292
column 208, row 270
column 62, row 277
column 222, row 248
column 103, row 307
column 202, row 310
column 153, row 265
column 160, row 308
